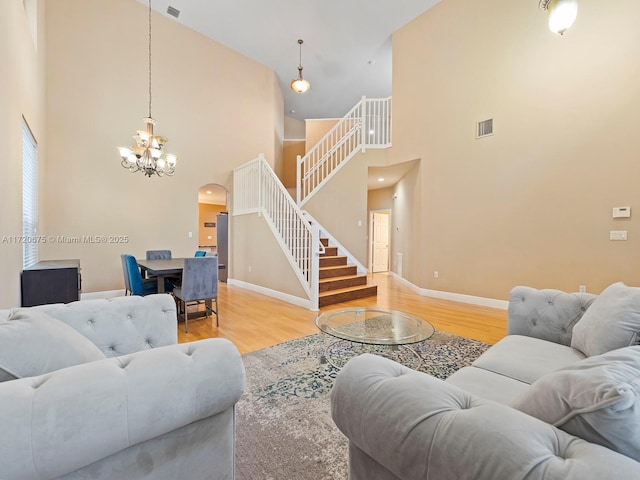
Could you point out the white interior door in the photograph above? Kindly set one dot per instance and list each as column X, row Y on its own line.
column 380, row 243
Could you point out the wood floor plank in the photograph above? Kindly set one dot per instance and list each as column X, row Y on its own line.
column 253, row 321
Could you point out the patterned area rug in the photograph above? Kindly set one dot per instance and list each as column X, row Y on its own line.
column 284, row 427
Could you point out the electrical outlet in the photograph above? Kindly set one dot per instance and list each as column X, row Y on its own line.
column 249, row 268
column 583, row 289
column 435, row 274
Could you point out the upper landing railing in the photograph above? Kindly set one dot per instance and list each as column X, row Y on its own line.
column 367, row 125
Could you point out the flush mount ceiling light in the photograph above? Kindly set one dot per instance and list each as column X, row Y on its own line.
column 562, row 13
column 300, row 85
column 148, row 155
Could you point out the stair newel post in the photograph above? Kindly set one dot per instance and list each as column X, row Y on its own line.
column 363, row 123
column 315, row 265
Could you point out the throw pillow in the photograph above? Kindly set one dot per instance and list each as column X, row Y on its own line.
column 612, row 321
column 33, row 343
column 597, row 399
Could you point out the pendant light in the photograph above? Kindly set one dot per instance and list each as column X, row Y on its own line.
column 300, row 85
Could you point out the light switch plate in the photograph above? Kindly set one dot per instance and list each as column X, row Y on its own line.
column 621, row 212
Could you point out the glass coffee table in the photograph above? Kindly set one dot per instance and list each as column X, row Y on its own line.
column 374, row 326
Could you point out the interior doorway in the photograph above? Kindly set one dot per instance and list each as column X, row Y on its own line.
column 379, row 222
column 212, row 200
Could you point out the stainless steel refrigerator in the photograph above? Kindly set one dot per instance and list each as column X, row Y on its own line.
column 222, row 227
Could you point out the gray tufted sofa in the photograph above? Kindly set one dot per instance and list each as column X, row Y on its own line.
column 403, row 424
column 152, row 409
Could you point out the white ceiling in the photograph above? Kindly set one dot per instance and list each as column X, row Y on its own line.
column 347, row 43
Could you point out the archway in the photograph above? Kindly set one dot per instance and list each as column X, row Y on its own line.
column 213, row 226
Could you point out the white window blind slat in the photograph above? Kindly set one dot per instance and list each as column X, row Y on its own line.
column 29, row 197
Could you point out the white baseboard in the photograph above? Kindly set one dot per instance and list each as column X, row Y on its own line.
column 454, row 297
column 285, row 297
column 105, row 294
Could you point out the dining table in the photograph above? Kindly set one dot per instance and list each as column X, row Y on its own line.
column 164, row 267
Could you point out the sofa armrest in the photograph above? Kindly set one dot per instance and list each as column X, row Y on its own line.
column 546, row 314
column 56, row 423
column 417, row 426
column 121, row 325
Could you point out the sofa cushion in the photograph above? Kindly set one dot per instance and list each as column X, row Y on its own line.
column 487, row 385
column 612, row 321
column 526, row 359
column 33, row 343
column 597, row 399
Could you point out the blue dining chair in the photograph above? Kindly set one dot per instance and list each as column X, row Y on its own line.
column 137, row 284
column 200, row 253
column 125, row 272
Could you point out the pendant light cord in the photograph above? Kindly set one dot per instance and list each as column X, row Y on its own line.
column 150, row 59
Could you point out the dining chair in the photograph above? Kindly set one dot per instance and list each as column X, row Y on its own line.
column 125, row 271
column 199, row 283
column 158, row 254
column 170, row 281
column 137, row 284
column 200, row 253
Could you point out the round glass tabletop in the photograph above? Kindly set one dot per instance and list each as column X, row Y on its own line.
column 374, row 326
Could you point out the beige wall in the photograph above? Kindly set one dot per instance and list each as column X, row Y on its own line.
column 22, row 87
column 532, row 203
column 208, row 212
column 380, row 199
column 342, row 203
column 278, row 130
column 294, row 129
column 258, row 259
column 218, row 109
column 292, row 148
column 315, row 129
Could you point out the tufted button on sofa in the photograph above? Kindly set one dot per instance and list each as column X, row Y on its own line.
column 497, row 419
column 148, row 409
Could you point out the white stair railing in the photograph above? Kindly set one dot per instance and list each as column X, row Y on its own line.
column 367, row 125
column 257, row 189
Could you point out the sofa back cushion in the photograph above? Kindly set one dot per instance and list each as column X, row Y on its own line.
column 547, row 314
column 612, row 321
column 120, row 325
column 597, row 399
column 32, row 343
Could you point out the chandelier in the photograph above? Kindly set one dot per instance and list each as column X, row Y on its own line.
column 300, row 85
column 148, row 155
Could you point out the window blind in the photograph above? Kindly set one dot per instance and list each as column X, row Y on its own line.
column 29, row 197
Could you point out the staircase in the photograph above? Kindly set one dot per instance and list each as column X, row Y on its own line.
column 327, row 276
column 340, row 282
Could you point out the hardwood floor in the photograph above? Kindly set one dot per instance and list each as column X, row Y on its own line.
column 253, row 321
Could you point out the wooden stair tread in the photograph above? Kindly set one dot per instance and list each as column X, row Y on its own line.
column 333, row 271
column 348, row 289
column 341, row 277
column 343, row 281
column 346, row 294
column 335, row 267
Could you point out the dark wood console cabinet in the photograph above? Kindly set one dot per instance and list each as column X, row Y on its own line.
column 51, row 281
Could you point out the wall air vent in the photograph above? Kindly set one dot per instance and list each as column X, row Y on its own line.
column 174, row 12
column 484, row 128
